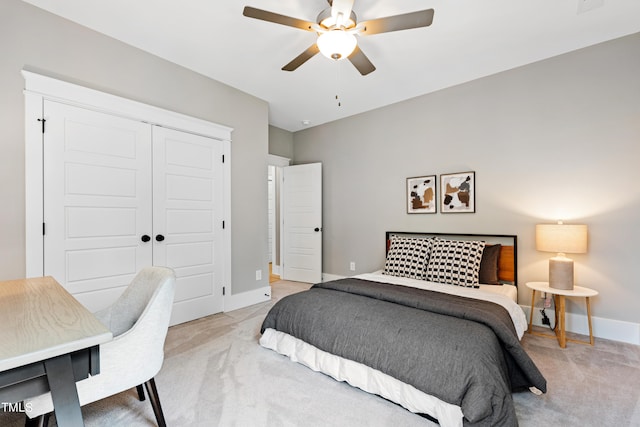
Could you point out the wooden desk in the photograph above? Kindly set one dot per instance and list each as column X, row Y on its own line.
column 559, row 300
column 48, row 342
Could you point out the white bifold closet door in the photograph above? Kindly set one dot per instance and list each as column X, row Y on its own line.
column 120, row 194
column 187, row 212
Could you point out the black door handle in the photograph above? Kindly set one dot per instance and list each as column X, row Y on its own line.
column 159, row 238
column 145, row 238
column 316, row 229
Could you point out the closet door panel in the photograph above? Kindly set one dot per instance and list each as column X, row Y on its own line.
column 97, row 203
column 187, row 213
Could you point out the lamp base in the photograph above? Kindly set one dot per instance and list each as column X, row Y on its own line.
column 561, row 273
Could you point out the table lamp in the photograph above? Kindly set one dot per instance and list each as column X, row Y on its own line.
column 561, row 238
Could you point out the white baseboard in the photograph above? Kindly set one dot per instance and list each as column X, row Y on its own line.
column 245, row 299
column 610, row 329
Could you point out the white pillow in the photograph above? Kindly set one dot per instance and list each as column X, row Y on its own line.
column 407, row 257
column 455, row 262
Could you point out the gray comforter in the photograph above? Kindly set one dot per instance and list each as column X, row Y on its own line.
column 464, row 351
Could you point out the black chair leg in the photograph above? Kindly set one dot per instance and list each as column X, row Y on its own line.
column 140, row 392
column 39, row 421
column 152, row 391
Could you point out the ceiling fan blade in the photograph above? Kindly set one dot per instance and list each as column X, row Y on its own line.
column 276, row 18
column 361, row 62
column 302, row 58
column 422, row 18
column 341, row 7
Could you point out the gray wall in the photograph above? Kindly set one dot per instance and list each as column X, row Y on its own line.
column 558, row 139
column 280, row 142
column 40, row 41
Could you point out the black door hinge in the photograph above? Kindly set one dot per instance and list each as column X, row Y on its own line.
column 223, row 225
column 223, row 158
column 42, row 121
column 43, row 229
column 223, row 290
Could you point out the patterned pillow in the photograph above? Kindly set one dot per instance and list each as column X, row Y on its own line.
column 407, row 257
column 455, row 262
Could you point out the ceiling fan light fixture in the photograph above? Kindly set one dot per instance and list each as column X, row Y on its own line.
column 336, row 44
column 327, row 19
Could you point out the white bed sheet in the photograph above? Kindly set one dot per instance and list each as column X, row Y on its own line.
column 504, row 295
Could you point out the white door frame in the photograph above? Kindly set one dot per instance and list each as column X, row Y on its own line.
column 271, row 214
column 279, row 162
column 38, row 88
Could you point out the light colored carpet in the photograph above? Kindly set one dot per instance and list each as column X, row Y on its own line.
column 216, row 374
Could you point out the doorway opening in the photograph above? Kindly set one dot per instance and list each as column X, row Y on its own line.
column 274, row 185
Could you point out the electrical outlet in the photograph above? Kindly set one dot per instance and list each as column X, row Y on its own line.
column 352, row 266
column 258, row 274
column 547, row 302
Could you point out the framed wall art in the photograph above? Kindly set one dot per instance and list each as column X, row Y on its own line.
column 421, row 194
column 458, row 192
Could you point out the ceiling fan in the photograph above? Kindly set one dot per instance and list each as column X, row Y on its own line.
column 337, row 27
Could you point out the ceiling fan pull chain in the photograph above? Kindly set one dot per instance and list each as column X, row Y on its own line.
column 338, row 83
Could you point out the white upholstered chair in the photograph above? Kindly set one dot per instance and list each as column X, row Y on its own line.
column 138, row 320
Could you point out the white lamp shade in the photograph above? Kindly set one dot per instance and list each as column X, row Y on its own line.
column 561, row 238
column 336, row 44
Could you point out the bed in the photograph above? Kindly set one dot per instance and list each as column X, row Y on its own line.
column 437, row 330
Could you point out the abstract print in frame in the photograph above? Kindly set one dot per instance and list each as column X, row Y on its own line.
column 421, row 194
column 458, row 192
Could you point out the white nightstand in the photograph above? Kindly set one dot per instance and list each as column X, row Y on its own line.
column 559, row 299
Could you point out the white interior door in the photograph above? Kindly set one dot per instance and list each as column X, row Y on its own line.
column 187, row 215
column 302, row 228
column 97, row 203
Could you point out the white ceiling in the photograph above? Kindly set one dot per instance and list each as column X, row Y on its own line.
column 467, row 40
